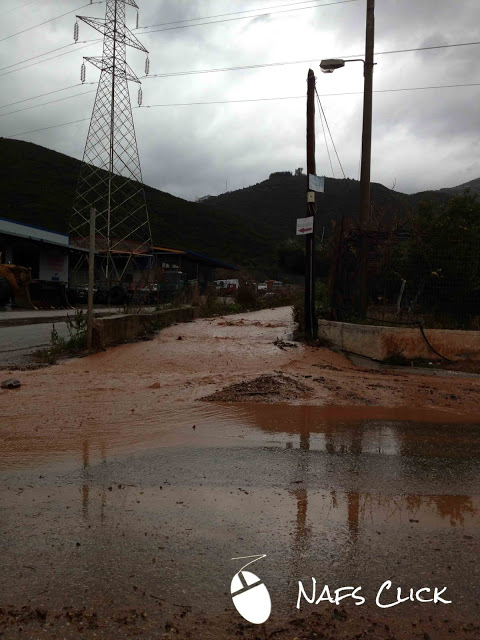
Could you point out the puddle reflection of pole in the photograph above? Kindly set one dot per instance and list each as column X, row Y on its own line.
column 87, row 480
column 353, row 497
column 338, row 441
column 103, row 455
column 85, row 487
column 302, row 531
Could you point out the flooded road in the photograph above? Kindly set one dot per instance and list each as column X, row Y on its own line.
column 350, row 502
column 121, row 520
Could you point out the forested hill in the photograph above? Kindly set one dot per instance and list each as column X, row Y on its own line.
column 278, row 201
column 38, row 187
column 242, row 227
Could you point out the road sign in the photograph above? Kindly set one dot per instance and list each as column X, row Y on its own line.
column 316, row 183
column 304, row 226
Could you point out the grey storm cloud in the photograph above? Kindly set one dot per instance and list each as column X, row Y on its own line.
column 423, row 139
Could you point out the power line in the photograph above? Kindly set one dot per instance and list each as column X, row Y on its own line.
column 324, row 95
column 326, row 145
column 35, row 106
column 21, row 6
column 232, row 13
column 439, row 86
column 40, row 55
column 279, row 64
column 330, row 133
column 259, row 15
column 217, row 70
column 42, row 95
column 27, row 66
column 200, row 71
column 188, row 104
column 54, row 126
column 47, row 21
column 436, row 46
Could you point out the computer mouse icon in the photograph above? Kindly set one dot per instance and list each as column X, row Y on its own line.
column 250, row 597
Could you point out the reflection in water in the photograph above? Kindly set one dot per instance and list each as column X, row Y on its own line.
column 85, row 487
column 341, row 430
column 301, row 480
column 87, row 479
column 455, row 508
column 358, row 512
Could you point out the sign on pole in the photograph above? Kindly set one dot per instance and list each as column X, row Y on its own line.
column 304, row 226
column 316, row 183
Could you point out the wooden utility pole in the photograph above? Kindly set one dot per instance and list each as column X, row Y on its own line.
column 364, row 213
column 91, row 277
column 310, row 319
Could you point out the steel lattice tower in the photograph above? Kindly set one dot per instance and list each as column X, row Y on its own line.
column 111, row 178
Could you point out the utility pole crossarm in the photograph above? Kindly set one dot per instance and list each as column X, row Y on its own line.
column 121, row 74
column 109, row 31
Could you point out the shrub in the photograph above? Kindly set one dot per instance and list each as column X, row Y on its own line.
column 246, row 297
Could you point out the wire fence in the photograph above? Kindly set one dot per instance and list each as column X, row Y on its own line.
column 426, row 271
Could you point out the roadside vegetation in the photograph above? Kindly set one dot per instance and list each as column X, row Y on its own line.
column 422, row 269
column 59, row 347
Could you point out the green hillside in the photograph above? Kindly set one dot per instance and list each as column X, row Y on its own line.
column 473, row 186
column 242, row 227
column 38, row 187
column 278, row 201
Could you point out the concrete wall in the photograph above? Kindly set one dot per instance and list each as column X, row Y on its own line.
column 383, row 342
column 124, row 328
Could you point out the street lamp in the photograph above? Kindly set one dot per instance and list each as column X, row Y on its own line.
column 332, row 64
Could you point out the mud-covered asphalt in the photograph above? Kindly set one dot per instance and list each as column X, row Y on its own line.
column 123, row 498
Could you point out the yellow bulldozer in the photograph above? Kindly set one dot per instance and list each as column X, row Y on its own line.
column 17, row 285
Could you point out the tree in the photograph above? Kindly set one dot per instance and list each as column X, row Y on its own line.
column 441, row 260
column 299, row 171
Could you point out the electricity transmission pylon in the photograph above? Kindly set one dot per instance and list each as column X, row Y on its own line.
column 111, row 177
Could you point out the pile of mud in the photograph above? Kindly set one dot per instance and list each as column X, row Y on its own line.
column 265, row 388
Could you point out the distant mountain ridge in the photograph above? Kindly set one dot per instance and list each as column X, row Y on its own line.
column 280, row 199
column 473, row 185
column 38, row 185
column 242, row 227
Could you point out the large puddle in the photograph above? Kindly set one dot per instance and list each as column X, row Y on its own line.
column 348, row 495
column 394, row 431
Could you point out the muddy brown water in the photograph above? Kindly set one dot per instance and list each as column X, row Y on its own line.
column 118, row 518
column 152, row 511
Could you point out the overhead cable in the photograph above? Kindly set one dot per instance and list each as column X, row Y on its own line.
column 59, row 55
column 41, row 95
column 309, row 61
column 259, row 15
column 20, row 6
column 233, row 13
column 47, row 21
column 329, row 132
column 324, row 95
column 35, row 106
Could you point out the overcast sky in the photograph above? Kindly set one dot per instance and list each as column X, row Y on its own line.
column 421, row 139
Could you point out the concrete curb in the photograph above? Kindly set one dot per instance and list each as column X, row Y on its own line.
column 21, row 322
column 381, row 343
column 125, row 328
